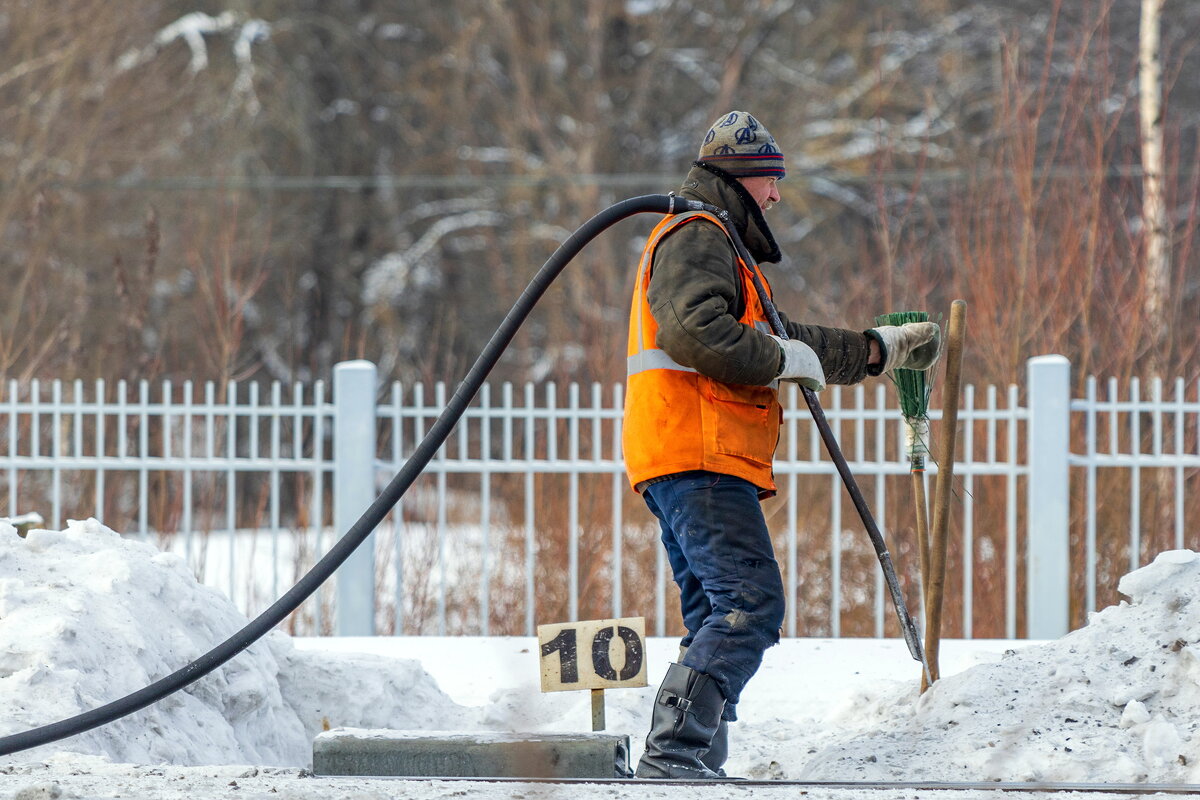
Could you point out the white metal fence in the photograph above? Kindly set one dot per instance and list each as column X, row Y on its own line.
column 193, row 467
column 525, row 517
column 1141, row 454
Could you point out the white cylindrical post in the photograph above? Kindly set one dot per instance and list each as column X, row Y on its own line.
column 354, row 385
column 1048, row 557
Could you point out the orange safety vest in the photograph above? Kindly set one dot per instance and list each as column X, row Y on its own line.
column 677, row 419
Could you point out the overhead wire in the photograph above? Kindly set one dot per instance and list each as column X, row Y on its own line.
column 301, row 183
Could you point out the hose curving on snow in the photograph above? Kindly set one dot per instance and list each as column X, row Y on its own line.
column 341, row 550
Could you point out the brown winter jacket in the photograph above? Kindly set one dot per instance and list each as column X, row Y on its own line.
column 694, row 296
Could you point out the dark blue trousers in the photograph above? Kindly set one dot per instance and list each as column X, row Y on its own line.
column 730, row 588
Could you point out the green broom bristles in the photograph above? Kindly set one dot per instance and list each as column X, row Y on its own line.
column 913, row 387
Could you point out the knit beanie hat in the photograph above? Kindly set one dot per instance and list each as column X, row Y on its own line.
column 740, row 145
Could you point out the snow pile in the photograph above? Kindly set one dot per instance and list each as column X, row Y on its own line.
column 87, row 617
column 1112, row 702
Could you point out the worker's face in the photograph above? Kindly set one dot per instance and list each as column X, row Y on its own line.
column 763, row 191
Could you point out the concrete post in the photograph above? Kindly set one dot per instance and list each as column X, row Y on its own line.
column 1047, row 579
column 354, row 385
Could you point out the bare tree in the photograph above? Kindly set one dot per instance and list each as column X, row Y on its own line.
column 1155, row 222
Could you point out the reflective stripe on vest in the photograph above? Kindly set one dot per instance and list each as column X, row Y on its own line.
column 652, row 359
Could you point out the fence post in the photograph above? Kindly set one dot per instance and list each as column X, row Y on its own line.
column 354, row 490
column 1047, row 578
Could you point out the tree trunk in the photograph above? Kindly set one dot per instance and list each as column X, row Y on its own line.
column 1154, row 207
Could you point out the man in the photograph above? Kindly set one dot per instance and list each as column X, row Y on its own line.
column 701, row 424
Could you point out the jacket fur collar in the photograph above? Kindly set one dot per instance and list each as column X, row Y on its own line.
column 717, row 187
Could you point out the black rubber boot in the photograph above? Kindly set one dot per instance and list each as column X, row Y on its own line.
column 686, row 715
column 718, row 751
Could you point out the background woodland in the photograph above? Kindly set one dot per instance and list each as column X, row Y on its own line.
column 260, row 190
column 256, row 191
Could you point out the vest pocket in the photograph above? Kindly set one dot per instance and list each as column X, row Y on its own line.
column 740, row 420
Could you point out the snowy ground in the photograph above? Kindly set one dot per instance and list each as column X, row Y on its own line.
column 87, row 616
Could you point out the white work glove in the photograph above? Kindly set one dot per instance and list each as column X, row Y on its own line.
column 800, row 364
column 913, row 345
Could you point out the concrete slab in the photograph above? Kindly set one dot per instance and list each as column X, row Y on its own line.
column 355, row 751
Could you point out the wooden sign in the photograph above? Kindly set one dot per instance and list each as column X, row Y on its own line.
column 595, row 654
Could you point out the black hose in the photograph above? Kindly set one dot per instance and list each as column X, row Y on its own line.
column 341, row 550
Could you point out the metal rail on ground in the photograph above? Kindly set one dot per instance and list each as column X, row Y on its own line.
column 992, row 786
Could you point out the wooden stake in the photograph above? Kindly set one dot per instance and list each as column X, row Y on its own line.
column 941, row 500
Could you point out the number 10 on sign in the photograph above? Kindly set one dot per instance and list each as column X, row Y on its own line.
column 594, row 654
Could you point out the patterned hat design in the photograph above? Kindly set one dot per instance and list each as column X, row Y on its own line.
column 740, row 145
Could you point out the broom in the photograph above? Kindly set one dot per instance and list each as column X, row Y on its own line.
column 914, row 387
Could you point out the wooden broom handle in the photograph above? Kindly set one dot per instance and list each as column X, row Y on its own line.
column 938, row 534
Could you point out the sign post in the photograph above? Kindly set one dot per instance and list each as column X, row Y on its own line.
column 597, row 709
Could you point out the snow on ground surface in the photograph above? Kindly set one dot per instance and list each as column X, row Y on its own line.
column 87, row 616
